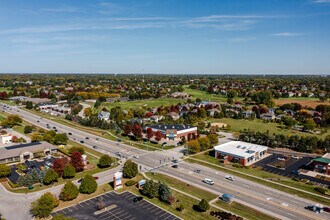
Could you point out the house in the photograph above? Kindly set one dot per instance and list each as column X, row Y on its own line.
column 211, row 112
column 103, row 115
column 156, row 118
column 247, row 114
column 173, row 115
column 179, row 95
column 267, row 116
column 174, row 131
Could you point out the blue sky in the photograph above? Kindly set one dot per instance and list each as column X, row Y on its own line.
column 165, row 36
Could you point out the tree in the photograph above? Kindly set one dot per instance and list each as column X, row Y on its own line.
column 44, row 205
column 88, row 185
column 77, row 161
column 150, row 133
column 127, row 129
column 309, row 124
column 36, row 137
column 204, row 143
column 88, row 112
column 194, row 146
column 11, row 121
column 288, row 121
column 137, row 131
column 164, row 192
column 150, row 189
column 50, row 177
column 97, row 103
column 69, row 192
column 78, row 149
column 28, row 129
column 213, row 138
column 69, row 171
column 130, row 169
column 5, row 170
column 59, row 165
column 203, row 206
column 29, row 105
column 158, row 136
column 60, row 139
column 105, row 161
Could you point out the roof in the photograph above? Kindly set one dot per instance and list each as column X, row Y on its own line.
column 176, row 127
column 17, row 150
column 18, row 97
column 240, row 149
column 322, row 160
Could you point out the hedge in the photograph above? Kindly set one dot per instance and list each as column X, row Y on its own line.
column 130, row 183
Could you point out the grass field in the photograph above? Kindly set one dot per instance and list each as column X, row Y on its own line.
column 259, row 125
column 2, row 117
column 4, row 89
column 304, row 101
column 143, row 103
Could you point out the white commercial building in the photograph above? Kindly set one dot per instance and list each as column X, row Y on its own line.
column 5, row 138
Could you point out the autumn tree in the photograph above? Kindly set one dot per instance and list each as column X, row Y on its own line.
column 59, row 165
column 137, row 131
column 77, row 161
column 193, row 146
column 127, row 129
column 44, row 205
column 158, row 136
column 150, row 133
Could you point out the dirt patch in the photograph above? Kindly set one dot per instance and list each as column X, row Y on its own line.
column 308, row 103
column 220, row 125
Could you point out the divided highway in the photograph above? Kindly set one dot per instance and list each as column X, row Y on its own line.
column 265, row 199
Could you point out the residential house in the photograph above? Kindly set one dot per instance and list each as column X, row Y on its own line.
column 211, row 112
column 173, row 115
column 247, row 114
column 103, row 115
column 267, row 116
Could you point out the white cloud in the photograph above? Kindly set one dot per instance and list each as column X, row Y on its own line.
column 61, row 10
column 287, row 34
column 321, row 1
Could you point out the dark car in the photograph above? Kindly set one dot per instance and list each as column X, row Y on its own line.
column 86, row 138
column 55, row 130
column 197, row 171
column 54, row 127
column 137, row 199
column 95, row 147
column 175, row 166
column 311, row 208
column 96, row 177
column 326, row 209
column 175, row 161
column 38, row 121
column 69, row 133
column 82, row 142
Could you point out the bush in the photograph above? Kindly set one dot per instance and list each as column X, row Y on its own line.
column 88, row 185
column 69, row 192
column 44, row 205
column 322, row 190
column 106, row 161
column 78, row 149
column 130, row 183
column 202, row 206
column 180, row 208
column 5, row 170
column 50, row 177
column 130, row 169
column 150, row 189
column 69, row 172
column 237, row 165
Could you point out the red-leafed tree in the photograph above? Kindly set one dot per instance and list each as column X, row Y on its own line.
column 150, row 133
column 148, row 114
column 14, row 139
column 59, row 165
column 77, row 161
column 127, row 129
column 158, row 136
column 137, row 131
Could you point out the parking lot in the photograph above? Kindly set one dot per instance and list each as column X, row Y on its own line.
column 290, row 166
column 120, row 206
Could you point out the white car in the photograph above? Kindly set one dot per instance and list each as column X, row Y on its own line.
column 281, row 158
column 136, row 156
column 208, row 181
column 230, row 178
column 295, row 157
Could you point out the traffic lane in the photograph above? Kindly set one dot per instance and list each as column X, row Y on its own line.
column 240, row 195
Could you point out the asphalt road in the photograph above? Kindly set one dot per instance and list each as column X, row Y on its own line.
column 265, row 199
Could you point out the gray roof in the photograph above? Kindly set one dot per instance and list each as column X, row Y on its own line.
column 176, row 127
column 17, row 149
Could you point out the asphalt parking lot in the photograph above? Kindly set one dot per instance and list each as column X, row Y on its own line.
column 121, row 206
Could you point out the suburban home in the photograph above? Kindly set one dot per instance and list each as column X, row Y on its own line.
column 173, row 115
column 267, row 116
column 156, row 118
column 179, row 95
column 247, row 114
column 173, row 132
column 211, row 112
column 103, row 115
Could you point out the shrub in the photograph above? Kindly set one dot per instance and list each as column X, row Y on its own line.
column 130, row 182
column 202, row 206
column 88, row 185
column 180, row 208
column 5, row 170
column 150, row 189
column 171, row 199
column 130, row 169
column 44, row 205
column 322, row 190
column 164, row 192
column 50, row 177
column 69, row 171
column 106, row 161
column 78, row 149
column 69, row 192
column 295, row 179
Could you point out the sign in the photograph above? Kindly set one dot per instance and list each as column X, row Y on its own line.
column 117, row 180
column 142, row 182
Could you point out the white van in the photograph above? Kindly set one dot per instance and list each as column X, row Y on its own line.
column 208, row 181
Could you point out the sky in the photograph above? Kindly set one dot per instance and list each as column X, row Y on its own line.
column 165, row 36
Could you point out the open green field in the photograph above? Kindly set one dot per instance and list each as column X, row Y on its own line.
column 143, row 103
column 259, row 125
column 251, row 173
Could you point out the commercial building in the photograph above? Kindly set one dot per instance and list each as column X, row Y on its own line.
column 22, row 152
column 173, row 132
column 5, row 138
column 322, row 164
column 240, row 152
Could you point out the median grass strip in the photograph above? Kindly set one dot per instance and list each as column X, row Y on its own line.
column 251, row 174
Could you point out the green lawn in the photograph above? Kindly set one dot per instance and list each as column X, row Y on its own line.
column 5, row 89
column 2, row 117
column 143, row 103
column 259, row 125
column 265, row 175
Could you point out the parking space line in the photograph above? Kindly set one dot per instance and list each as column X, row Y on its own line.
column 128, row 217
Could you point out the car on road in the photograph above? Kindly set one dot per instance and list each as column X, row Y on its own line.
column 136, row 156
column 175, row 166
column 208, row 181
column 86, row 138
column 295, row 157
column 326, row 209
column 197, row 171
column 95, row 147
column 97, row 139
column 54, row 127
column 175, row 161
column 38, row 121
column 82, row 141
column 118, row 140
column 230, row 178
column 137, row 199
column 69, row 133
column 311, row 208
column 55, row 130
column 295, row 172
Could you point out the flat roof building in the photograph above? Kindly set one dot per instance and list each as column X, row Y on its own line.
column 240, row 152
column 174, row 131
column 322, row 164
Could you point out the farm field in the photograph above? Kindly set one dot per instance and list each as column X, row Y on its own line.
column 304, row 101
column 143, row 103
column 259, row 125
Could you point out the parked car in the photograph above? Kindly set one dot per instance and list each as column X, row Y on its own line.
column 38, row 121
column 95, row 147
column 295, row 157
column 136, row 156
column 175, row 161
column 137, row 199
column 208, row 181
column 175, row 166
column 281, row 158
column 55, row 130
column 230, row 178
column 197, row 171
